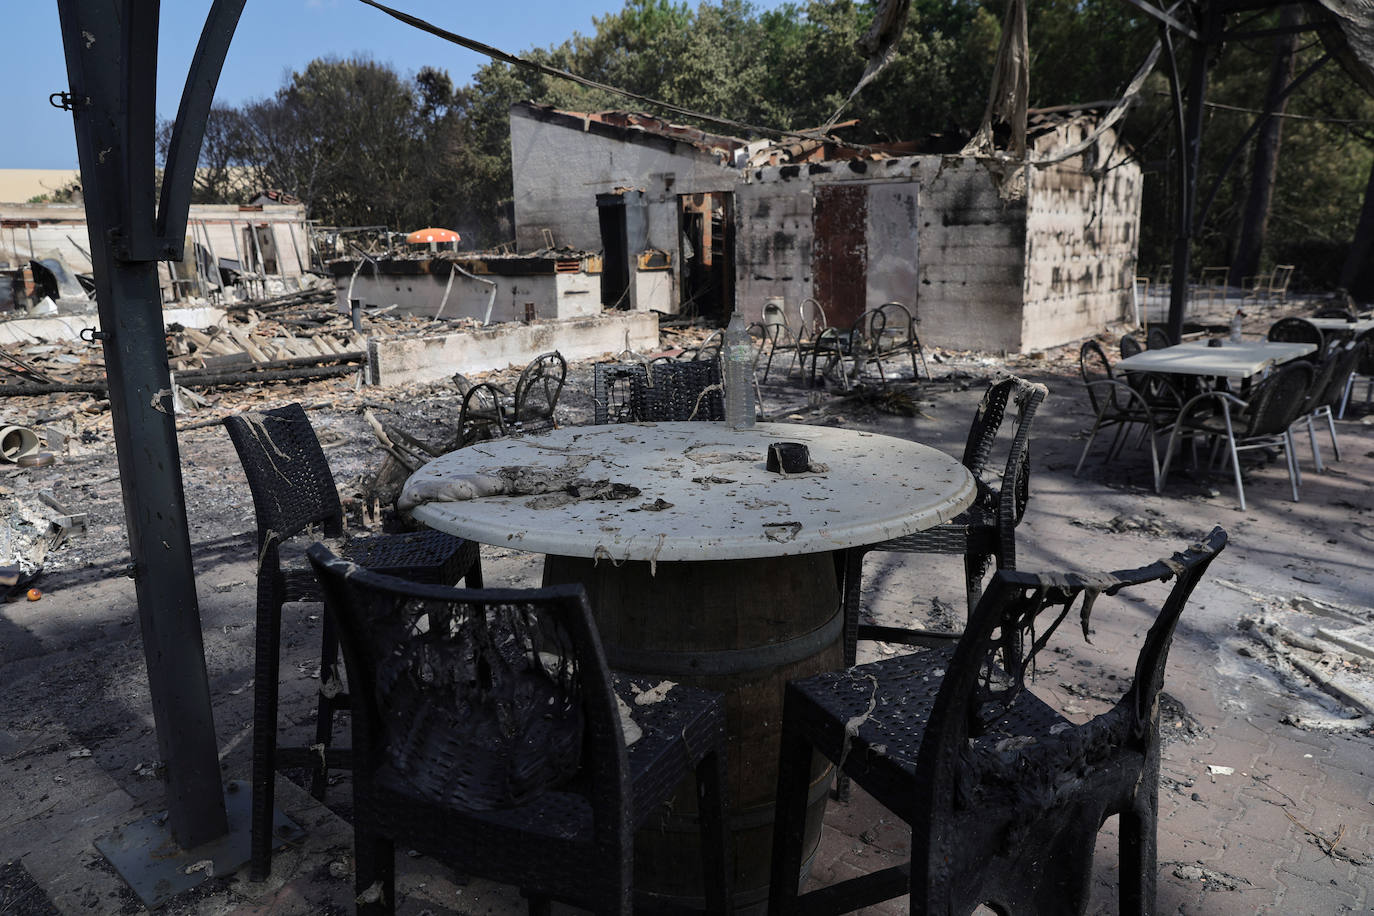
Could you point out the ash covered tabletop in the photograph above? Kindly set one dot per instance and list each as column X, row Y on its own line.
column 704, row 492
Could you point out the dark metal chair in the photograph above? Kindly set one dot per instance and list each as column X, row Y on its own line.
column 1147, row 400
column 1298, row 330
column 888, row 331
column 1005, row 796
column 1157, row 339
column 1264, row 421
column 984, row 533
column 293, row 494
column 1364, row 371
column 1327, row 392
column 1130, row 346
column 487, row 734
column 489, row 411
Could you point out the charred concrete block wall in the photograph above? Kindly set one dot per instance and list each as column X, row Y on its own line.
column 1082, row 238
column 972, row 257
column 773, row 244
column 936, row 237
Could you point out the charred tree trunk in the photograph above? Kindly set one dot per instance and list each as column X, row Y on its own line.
column 1264, row 167
column 1357, row 276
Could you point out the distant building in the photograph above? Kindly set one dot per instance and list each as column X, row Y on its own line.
column 265, row 245
column 987, row 255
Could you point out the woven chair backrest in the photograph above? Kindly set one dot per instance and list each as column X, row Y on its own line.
column 618, row 392
column 1296, row 330
column 1157, row 339
column 975, row 751
column 538, row 388
column 473, row 699
column 1012, row 493
column 1278, row 400
column 1130, row 346
column 684, row 391
column 293, row 488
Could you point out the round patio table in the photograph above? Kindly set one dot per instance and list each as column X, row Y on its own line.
column 717, row 573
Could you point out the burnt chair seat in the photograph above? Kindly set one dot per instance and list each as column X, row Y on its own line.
column 294, row 494
column 1004, row 795
column 489, row 733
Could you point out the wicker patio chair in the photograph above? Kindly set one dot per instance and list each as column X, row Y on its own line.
column 1130, row 346
column 1004, row 795
column 1298, row 330
column 1264, row 421
column 689, row 390
column 984, row 533
column 490, row 412
column 487, row 735
column 620, row 392
column 1146, row 400
column 294, row 494
column 1157, row 339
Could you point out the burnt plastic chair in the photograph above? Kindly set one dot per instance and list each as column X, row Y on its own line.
column 487, row 734
column 1298, row 330
column 984, row 533
column 1005, row 796
column 1263, row 421
column 294, row 494
column 489, row 411
column 1144, row 400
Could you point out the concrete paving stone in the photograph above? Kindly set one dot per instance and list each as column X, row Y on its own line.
column 1305, row 894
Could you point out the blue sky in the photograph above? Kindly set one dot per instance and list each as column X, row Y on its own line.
column 273, row 38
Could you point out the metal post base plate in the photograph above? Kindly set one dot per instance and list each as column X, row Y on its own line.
column 157, row 869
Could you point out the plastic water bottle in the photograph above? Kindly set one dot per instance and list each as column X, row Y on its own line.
column 738, row 370
column 1235, row 326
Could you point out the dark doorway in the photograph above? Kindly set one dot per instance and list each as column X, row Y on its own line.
column 707, row 245
column 840, row 254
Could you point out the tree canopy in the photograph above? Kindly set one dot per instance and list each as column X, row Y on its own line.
column 362, row 144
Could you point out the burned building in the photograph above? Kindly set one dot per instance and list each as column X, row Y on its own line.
column 988, row 252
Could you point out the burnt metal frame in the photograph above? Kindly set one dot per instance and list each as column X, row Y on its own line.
column 111, row 55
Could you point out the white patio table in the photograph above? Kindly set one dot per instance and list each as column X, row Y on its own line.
column 1230, row 360
column 1358, row 326
column 719, row 573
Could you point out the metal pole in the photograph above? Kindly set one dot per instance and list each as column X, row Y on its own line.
column 111, row 54
column 1190, row 159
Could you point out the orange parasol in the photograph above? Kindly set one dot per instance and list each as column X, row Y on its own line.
column 421, row 236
